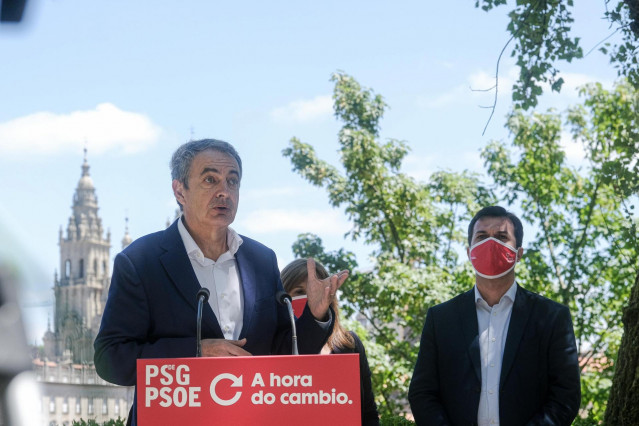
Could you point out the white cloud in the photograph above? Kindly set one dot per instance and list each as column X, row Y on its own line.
column 262, row 193
column 321, row 222
column 305, row 110
column 443, row 99
column 419, row 167
column 572, row 82
column 575, row 153
column 483, row 82
column 445, row 64
column 472, row 161
column 104, row 128
column 478, row 90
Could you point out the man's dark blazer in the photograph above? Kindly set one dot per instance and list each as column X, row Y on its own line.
column 151, row 308
column 539, row 382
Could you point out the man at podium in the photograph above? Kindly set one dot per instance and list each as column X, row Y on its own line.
column 151, row 307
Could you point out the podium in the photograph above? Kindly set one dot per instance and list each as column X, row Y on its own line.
column 259, row 390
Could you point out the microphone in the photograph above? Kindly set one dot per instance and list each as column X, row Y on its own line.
column 202, row 298
column 284, row 299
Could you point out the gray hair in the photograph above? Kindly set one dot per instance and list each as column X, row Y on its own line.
column 184, row 155
column 183, row 158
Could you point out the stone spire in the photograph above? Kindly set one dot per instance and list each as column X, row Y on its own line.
column 127, row 238
column 84, row 223
column 82, row 286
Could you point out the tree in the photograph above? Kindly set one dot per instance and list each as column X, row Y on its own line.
column 569, row 259
column 585, row 251
column 310, row 245
column 622, row 406
column 413, row 226
column 608, row 122
column 542, row 32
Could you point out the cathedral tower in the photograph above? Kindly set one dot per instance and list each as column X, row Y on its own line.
column 82, row 285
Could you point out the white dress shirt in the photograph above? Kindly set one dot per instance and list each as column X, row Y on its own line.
column 222, row 279
column 493, row 328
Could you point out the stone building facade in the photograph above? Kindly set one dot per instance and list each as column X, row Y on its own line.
column 75, row 391
column 71, row 389
column 81, row 288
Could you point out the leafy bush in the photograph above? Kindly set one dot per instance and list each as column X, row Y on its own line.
column 392, row 420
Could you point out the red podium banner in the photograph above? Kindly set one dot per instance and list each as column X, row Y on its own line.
column 260, row 390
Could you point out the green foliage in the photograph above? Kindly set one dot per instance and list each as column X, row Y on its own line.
column 413, row 227
column 461, row 193
column 309, row 245
column 583, row 253
column 91, row 422
column 390, row 420
column 608, row 123
column 541, row 31
column 625, row 18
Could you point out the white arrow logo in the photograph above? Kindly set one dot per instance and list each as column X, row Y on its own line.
column 237, row 382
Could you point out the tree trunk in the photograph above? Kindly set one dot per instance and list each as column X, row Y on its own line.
column 623, row 402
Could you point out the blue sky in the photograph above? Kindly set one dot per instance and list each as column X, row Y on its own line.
column 136, row 79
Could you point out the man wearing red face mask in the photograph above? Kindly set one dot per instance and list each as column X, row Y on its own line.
column 497, row 353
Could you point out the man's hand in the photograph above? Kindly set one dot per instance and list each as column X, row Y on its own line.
column 223, row 347
column 320, row 293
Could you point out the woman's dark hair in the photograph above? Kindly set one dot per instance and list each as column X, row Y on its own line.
column 295, row 273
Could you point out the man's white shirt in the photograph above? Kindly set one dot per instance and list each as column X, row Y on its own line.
column 221, row 278
column 493, row 325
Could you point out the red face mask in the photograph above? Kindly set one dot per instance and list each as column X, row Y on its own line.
column 299, row 303
column 492, row 258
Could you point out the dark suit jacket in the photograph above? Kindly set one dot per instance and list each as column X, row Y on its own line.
column 539, row 382
column 370, row 416
column 151, row 308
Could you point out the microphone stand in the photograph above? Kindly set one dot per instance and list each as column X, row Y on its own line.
column 284, row 299
column 202, row 298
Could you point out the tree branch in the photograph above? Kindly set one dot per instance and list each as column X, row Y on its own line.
column 384, row 335
column 496, row 86
column 450, row 236
column 544, row 223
